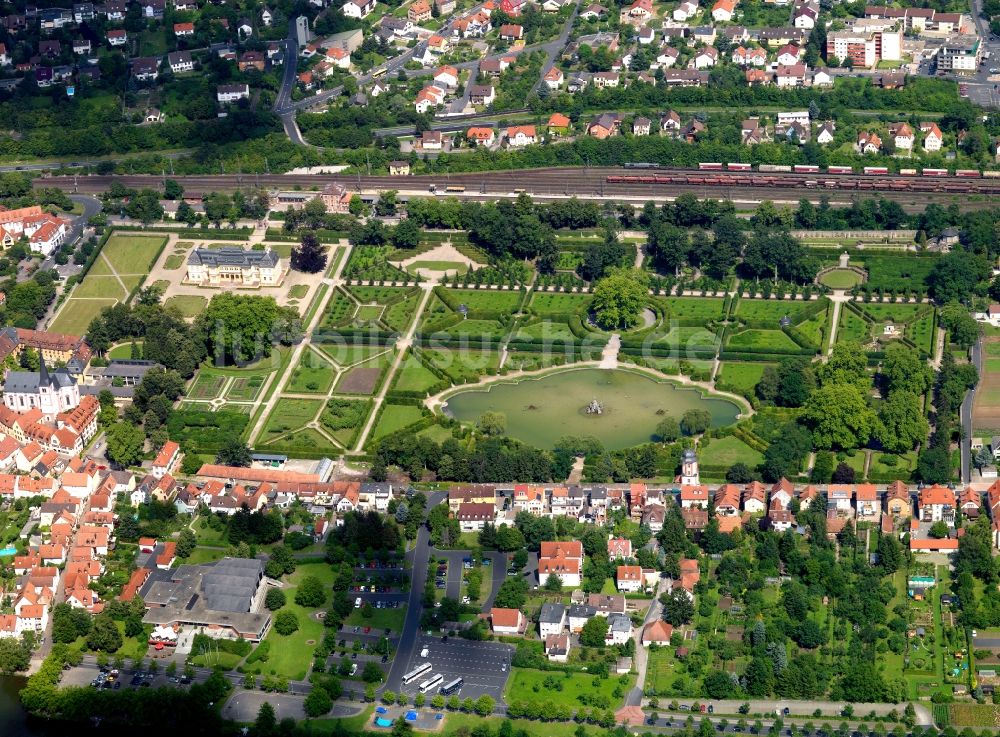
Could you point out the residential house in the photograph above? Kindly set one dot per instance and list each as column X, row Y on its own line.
column 657, row 632
column 520, row 135
column 670, row 122
column 564, row 560
column 932, row 136
column 605, row 125
column 117, row 37
column 619, row 630
column 511, row 32
column 754, row 498
column 727, row 500
column 145, row 68
column 970, row 502
column 180, row 62
column 705, row 58
column 629, row 578
column 166, row 459
column 790, row 76
column 868, row 143
column 559, row 125
column 788, row 55
column 822, row 78
column 183, row 29
column 481, row 136
column 557, row 648
column 229, row 93
column 722, row 11
column 358, row 8
column 866, row 501
column 605, row 80
column 473, row 517
column 826, row 133
column 551, row 619
column 554, row 78
column 839, row 497
column 419, row 11
column 667, row 56
column 897, row 500
column 447, row 76
column 619, row 548
column 685, row 10
column 936, row 504
column 481, row 94
column 507, row 621
column 694, row 496
column 902, row 135
column 781, row 493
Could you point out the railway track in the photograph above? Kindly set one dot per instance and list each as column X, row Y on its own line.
column 586, row 183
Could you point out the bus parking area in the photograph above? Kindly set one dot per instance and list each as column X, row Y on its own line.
column 483, row 667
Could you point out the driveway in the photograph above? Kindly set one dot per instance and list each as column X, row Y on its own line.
column 499, row 575
column 417, row 556
column 965, row 413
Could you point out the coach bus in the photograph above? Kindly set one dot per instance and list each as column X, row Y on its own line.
column 452, row 687
column 431, row 682
column 416, row 672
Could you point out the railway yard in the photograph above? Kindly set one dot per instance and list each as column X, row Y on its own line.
column 913, row 191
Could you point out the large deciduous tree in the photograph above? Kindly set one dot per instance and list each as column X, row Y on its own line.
column 839, row 416
column 619, row 298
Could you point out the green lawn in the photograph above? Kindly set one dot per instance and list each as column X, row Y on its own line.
column 124, row 350
column 133, row 254
column 773, row 340
column 840, row 279
column 436, row 433
column 413, row 376
column 380, row 619
column 298, row 291
column 742, row 376
column 291, row 655
column 552, row 303
column 486, row 299
column 852, row 328
column 452, row 266
column 729, row 450
column 99, row 286
column 208, row 536
column 290, row 414
column 694, row 308
column 189, row 305
column 528, row 685
column 395, row 417
column 313, row 375
column 76, row 315
column 347, row 355
column 174, row 261
column 766, row 310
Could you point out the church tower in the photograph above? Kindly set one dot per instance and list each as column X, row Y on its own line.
column 689, row 468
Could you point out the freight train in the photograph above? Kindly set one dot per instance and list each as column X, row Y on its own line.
column 961, row 181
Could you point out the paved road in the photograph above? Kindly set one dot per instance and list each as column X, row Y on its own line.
column 418, row 557
column 966, row 413
column 634, row 696
column 456, row 570
column 499, row 575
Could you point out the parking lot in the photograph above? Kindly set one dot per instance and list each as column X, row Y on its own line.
column 484, row 666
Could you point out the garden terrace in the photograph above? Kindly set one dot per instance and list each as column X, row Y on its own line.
column 764, row 329
column 874, row 325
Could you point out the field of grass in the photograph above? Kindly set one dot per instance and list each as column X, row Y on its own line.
column 466, row 366
column 852, row 328
column 774, row 340
column 76, row 315
column 124, row 350
column 313, row 375
column 694, row 308
column 729, row 450
column 413, row 376
column 902, row 470
column 381, row 619
column 552, row 303
column 174, row 261
column 190, row 305
column 974, row 715
column 132, row 254
column 298, row 291
column 347, row 355
column 528, row 685
column 395, row 417
column 291, row 655
column 688, row 338
column 289, row 414
column 449, row 266
column 743, row 376
column 486, row 299
column 766, row 310
column 101, row 287
column 840, row 279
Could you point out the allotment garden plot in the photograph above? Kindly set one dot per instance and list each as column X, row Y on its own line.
column 121, row 266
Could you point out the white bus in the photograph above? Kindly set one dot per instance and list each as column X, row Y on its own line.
column 416, row 673
column 452, row 687
column 430, row 683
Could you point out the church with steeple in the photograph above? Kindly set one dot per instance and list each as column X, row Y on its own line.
column 49, row 392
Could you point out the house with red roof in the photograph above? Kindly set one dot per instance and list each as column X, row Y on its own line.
column 507, row 621
column 936, row 504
